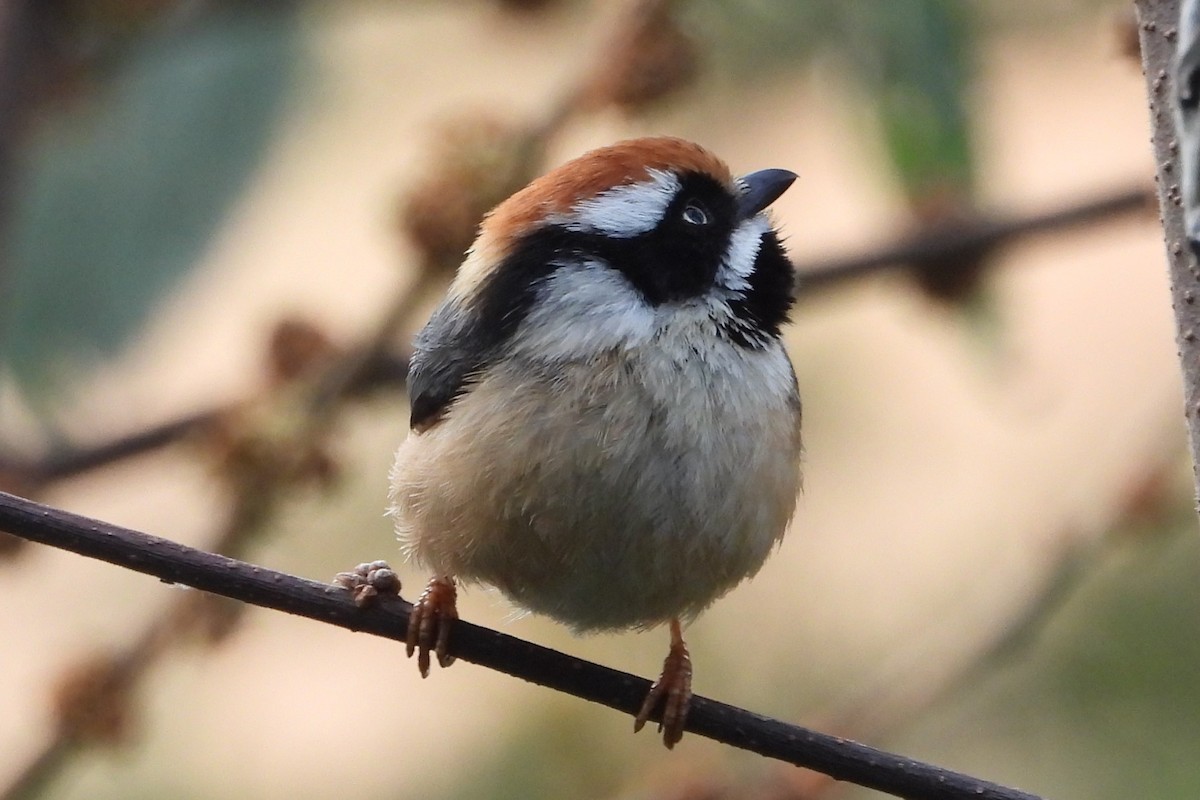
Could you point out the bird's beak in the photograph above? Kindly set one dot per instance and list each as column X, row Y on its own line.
column 763, row 188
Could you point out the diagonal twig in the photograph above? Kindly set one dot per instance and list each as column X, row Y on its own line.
column 171, row 562
column 963, row 240
column 379, row 370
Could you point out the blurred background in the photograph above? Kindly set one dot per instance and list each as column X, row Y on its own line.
column 221, row 222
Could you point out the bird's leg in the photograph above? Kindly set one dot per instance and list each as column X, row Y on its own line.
column 430, row 621
column 673, row 690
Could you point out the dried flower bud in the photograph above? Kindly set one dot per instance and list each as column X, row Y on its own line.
column 477, row 164
column 1151, row 498
column 952, row 280
column 214, row 618
column 14, row 481
column 261, row 445
column 296, row 346
column 20, row 477
column 10, row 545
column 649, row 58
column 91, row 700
column 1125, row 34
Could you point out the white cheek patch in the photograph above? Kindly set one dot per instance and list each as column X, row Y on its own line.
column 744, row 243
column 624, row 211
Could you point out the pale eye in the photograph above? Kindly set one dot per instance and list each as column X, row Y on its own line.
column 695, row 215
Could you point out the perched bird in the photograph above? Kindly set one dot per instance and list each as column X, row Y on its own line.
column 605, row 424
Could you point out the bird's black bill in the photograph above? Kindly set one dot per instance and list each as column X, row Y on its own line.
column 763, row 188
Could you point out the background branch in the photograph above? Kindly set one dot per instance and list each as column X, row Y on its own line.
column 176, row 563
column 381, row 369
column 960, row 243
column 954, row 245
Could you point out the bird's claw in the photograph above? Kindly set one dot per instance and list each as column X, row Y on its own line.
column 429, row 624
column 673, row 691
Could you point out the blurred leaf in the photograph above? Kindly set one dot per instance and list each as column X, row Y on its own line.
column 910, row 57
column 1104, row 705
column 121, row 193
column 748, row 37
column 553, row 753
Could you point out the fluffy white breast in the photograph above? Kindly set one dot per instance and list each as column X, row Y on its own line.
column 612, row 494
column 623, row 463
column 617, row 471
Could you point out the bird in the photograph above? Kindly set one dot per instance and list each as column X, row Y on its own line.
column 605, row 425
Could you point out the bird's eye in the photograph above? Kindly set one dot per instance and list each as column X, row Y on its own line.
column 694, row 214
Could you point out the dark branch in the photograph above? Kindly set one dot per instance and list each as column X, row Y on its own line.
column 177, row 563
column 966, row 240
column 68, row 462
column 386, row 369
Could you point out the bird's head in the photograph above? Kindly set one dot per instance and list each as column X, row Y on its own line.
column 612, row 245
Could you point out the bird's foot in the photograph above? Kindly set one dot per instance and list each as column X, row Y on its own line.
column 367, row 581
column 430, row 621
column 672, row 690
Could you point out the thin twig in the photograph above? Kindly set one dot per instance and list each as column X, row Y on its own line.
column 362, row 368
column 964, row 240
column 35, row 775
column 382, row 370
column 74, row 461
column 176, row 563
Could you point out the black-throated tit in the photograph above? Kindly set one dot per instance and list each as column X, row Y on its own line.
column 605, row 424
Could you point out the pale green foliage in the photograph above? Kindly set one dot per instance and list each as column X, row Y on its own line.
column 121, row 188
column 911, row 59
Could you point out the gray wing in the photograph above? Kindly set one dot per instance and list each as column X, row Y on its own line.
column 453, row 347
column 463, row 337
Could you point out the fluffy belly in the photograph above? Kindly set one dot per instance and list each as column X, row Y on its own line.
column 588, row 497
